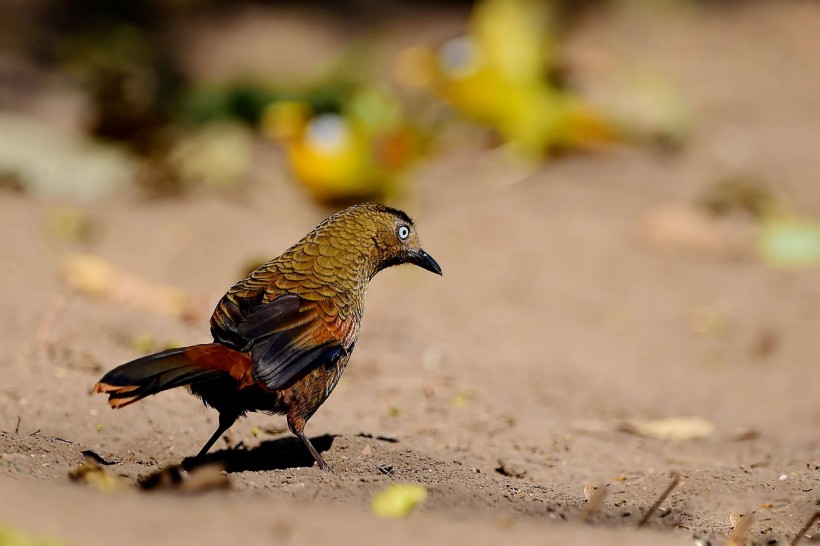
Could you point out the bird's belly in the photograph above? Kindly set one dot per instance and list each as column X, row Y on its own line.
column 304, row 396
column 229, row 399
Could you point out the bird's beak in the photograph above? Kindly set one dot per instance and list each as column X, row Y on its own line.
column 425, row 261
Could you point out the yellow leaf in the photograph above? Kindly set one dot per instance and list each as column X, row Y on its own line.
column 670, row 428
column 66, row 223
column 99, row 477
column 13, row 537
column 98, row 277
column 462, row 400
column 398, row 500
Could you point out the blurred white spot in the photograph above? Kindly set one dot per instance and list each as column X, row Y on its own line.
column 328, row 132
column 458, row 57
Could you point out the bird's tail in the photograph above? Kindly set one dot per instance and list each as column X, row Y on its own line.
column 158, row 372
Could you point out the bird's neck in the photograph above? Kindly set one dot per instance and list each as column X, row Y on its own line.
column 351, row 266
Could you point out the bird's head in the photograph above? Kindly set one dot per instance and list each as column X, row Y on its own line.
column 389, row 235
column 399, row 242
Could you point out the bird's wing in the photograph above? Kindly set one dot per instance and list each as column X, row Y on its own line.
column 290, row 334
column 258, row 323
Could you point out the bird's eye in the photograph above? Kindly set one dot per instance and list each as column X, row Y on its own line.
column 403, row 232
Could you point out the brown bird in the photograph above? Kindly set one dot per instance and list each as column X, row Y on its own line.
column 283, row 335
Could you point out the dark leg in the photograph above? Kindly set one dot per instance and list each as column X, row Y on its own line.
column 321, row 462
column 297, row 427
column 226, row 421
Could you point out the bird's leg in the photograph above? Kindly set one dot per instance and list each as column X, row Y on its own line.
column 297, row 427
column 319, row 460
column 226, row 421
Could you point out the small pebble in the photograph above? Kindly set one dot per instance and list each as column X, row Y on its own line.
column 734, row 519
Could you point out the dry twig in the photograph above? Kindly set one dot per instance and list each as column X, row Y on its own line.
column 596, row 498
column 740, row 532
column 805, row 529
column 664, row 495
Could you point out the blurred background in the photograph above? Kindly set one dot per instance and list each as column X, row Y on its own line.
column 623, row 196
column 177, row 96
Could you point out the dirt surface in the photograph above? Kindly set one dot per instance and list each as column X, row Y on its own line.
column 504, row 387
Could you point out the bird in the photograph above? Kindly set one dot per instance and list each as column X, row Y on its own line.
column 283, row 335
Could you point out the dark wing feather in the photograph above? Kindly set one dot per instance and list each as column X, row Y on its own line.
column 275, row 367
column 261, row 321
column 238, row 321
column 288, row 336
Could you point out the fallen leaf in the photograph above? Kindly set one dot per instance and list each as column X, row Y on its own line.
column 682, row 227
column 399, row 500
column 200, row 479
column 97, row 476
column 670, row 428
column 14, row 537
column 98, row 277
column 461, row 400
column 789, row 242
column 741, row 193
column 65, row 223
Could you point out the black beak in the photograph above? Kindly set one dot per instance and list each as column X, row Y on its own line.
column 425, row 261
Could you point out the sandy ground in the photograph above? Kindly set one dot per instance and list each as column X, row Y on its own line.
column 503, row 386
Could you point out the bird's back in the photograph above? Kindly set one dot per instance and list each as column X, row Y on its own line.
column 328, row 269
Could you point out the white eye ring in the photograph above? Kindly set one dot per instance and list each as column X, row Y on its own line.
column 403, row 232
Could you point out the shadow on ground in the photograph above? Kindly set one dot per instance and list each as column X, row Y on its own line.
column 279, row 454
